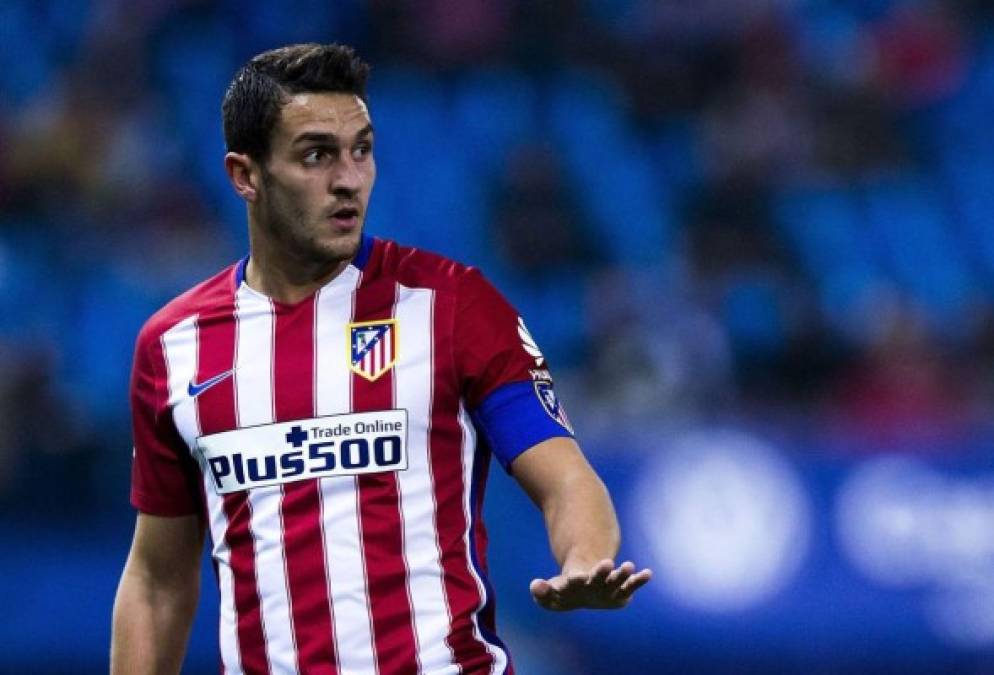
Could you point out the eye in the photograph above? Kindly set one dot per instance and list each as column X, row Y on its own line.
column 362, row 150
column 315, row 156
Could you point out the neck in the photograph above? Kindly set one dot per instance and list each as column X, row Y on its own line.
column 285, row 278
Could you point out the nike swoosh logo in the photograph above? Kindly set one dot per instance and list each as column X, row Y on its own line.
column 195, row 389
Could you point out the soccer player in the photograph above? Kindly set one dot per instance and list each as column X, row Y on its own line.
column 327, row 409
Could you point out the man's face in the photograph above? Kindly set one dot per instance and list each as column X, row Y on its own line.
column 316, row 183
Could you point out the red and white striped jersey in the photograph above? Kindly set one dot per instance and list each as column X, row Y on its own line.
column 330, row 447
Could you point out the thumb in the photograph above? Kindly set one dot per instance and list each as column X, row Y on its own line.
column 540, row 588
column 545, row 594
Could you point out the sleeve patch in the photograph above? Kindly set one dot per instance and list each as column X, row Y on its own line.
column 547, row 395
column 517, row 416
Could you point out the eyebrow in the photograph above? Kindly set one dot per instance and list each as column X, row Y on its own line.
column 320, row 137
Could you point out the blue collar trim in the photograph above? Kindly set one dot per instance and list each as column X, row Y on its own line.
column 365, row 250
column 240, row 271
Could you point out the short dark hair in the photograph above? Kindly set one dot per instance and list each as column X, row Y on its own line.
column 265, row 84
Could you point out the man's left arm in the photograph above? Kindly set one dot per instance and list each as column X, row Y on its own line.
column 582, row 526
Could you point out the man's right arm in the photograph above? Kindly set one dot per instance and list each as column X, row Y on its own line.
column 157, row 597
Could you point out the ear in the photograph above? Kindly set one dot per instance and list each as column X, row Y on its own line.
column 243, row 173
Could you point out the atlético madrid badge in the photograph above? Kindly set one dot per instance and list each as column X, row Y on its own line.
column 372, row 347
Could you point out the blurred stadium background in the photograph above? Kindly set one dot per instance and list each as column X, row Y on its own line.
column 755, row 236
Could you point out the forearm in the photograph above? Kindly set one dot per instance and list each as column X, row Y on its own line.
column 151, row 624
column 583, row 530
column 582, row 525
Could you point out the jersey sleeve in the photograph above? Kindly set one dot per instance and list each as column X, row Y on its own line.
column 505, row 377
column 164, row 476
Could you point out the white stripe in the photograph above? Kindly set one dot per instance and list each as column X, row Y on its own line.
column 413, row 380
column 254, row 358
column 468, row 465
column 180, row 349
column 179, row 344
column 339, row 495
column 254, row 396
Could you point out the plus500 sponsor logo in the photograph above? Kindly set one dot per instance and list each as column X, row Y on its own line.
column 243, row 459
column 354, row 456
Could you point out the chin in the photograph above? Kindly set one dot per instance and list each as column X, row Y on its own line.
column 344, row 247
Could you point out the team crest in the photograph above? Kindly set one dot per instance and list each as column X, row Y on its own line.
column 372, row 347
column 547, row 395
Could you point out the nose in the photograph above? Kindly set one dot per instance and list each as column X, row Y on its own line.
column 346, row 178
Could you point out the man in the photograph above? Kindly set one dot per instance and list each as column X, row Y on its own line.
column 327, row 408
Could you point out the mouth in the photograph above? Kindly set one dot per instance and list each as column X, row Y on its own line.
column 346, row 217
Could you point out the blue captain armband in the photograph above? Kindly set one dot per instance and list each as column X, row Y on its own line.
column 516, row 416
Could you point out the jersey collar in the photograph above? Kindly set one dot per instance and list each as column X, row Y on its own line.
column 359, row 262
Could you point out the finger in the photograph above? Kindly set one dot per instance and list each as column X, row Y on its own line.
column 546, row 596
column 573, row 581
column 564, row 582
column 541, row 590
column 556, row 583
column 635, row 582
column 600, row 573
column 620, row 575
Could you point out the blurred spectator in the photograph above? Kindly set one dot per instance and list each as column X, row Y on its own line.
column 538, row 227
column 742, row 271
column 44, row 442
column 654, row 357
column 758, row 126
column 920, row 52
column 856, row 132
column 443, row 33
column 905, row 387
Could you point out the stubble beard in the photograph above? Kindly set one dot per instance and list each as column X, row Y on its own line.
column 298, row 234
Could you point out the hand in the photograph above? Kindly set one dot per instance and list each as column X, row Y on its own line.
column 602, row 587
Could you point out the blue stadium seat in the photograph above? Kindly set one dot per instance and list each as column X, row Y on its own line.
column 194, row 96
column 428, row 195
column 830, row 39
column 826, row 231
column 618, row 186
column 964, row 120
column 752, row 311
column 971, row 183
column 823, row 225
column 271, row 24
column 677, row 157
column 493, row 111
column 33, row 301
column 909, row 224
column 613, row 12
column 25, row 54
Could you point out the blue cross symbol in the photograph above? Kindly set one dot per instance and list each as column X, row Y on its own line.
column 296, row 437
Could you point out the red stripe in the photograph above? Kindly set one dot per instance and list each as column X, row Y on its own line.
column 379, row 505
column 216, row 412
column 293, row 390
column 445, row 450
